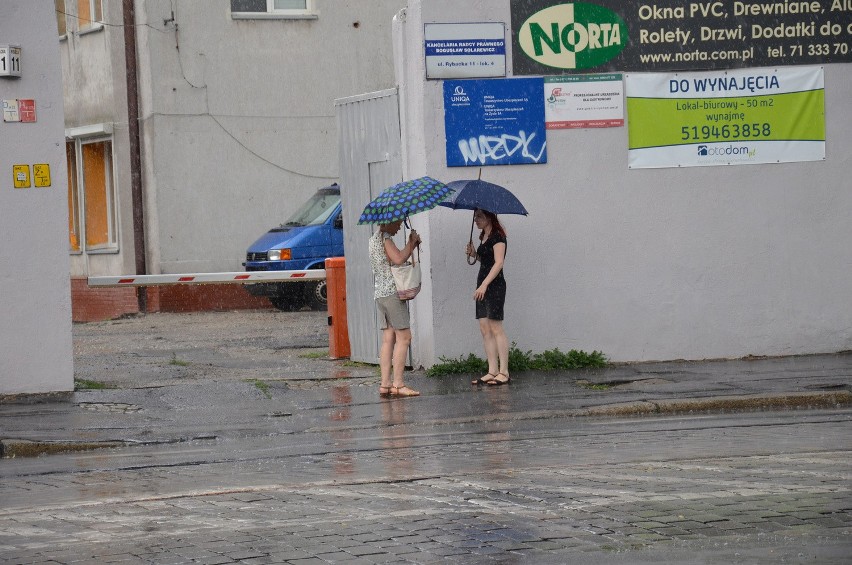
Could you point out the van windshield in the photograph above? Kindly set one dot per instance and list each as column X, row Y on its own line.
column 315, row 211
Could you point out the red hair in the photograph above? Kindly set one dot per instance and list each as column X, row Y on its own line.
column 496, row 226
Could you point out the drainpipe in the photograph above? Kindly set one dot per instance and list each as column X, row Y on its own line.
column 129, row 13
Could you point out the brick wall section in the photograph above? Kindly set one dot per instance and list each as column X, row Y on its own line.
column 107, row 303
column 203, row 297
column 95, row 304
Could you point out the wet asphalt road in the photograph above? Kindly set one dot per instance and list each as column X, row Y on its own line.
column 764, row 488
column 317, row 469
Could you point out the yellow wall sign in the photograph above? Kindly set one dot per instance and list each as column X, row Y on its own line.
column 41, row 174
column 21, row 175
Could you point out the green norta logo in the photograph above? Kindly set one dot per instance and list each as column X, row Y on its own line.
column 573, row 36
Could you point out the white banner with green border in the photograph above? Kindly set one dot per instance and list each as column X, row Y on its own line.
column 734, row 117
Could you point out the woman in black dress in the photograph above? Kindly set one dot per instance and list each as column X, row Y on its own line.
column 490, row 295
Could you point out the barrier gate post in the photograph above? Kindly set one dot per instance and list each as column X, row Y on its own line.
column 338, row 329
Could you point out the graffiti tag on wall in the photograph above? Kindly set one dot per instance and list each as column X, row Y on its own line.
column 491, row 150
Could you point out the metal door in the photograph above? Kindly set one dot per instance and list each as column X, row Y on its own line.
column 370, row 161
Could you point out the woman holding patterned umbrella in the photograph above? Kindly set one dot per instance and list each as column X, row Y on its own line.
column 393, row 312
column 389, row 210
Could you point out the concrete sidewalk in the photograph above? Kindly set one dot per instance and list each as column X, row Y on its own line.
column 179, row 377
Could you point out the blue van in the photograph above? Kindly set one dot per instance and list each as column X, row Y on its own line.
column 312, row 234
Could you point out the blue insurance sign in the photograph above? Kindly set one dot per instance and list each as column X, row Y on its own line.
column 495, row 122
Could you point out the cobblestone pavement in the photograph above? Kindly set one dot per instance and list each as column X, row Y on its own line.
column 765, row 488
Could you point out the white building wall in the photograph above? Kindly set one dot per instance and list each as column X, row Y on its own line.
column 35, row 300
column 238, row 118
column 704, row 262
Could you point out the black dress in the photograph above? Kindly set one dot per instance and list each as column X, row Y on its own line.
column 491, row 306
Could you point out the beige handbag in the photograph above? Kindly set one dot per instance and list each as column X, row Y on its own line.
column 407, row 277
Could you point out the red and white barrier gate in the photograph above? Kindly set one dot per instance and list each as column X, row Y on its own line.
column 210, row 278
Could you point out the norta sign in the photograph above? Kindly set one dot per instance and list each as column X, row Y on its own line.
column 551, row 37
column 573, row 36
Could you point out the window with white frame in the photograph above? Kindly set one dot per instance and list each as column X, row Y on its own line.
column 90, row 13
column 61, row 24
column 91, row 196
column 256, row 9
column 74, row 227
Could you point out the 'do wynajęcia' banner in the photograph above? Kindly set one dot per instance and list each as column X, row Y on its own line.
column 736, row 117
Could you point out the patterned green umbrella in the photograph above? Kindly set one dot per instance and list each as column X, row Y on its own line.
column 404, row 199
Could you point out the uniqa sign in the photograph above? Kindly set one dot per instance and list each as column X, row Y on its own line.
column 573, row 36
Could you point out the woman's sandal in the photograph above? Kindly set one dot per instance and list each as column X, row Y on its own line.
column 403, row 391
column 497, row 381
column 482, row 380
column 384, row 391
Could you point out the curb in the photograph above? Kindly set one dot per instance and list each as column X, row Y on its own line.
column 706, row 405
column 11, row 448
column 756, row 403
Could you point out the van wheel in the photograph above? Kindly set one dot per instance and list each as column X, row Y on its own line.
column 317, row 295
column 289, row 297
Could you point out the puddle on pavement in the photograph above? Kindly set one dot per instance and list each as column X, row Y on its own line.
column 343, row 463
column 118, row 407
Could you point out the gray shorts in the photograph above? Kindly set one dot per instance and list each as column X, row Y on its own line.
column 393, row 313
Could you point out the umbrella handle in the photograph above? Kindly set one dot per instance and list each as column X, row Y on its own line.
column 405, row 236
column 471, row 242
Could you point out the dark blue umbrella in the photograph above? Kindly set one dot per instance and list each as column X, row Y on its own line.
column 404, row 199
column 473, row 194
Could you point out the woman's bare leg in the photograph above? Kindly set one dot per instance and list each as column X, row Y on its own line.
column 386, row 355
column 501, row 344
column 400, row 352
column 490, row 345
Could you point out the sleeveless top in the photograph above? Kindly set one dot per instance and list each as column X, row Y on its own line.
column 385, row 285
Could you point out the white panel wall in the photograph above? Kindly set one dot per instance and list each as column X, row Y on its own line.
column 35, row 303
column 370, row 161
column 707, row 262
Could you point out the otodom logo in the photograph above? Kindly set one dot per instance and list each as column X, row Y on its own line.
column 727, row 151
column 573, row 36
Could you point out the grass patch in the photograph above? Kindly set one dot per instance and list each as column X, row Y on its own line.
column 315, row 355
column 519, row 361
column 462, row 365
column 357, row 364
column 84, row 384
column 594, row 386
column 179, row 362
column 262, row 386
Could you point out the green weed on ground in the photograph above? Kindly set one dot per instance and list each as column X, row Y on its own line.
column 262, row 386
column 314, row 354
column 179, row 362
column 84, row 384
column 594, row 386
column 519, row 361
